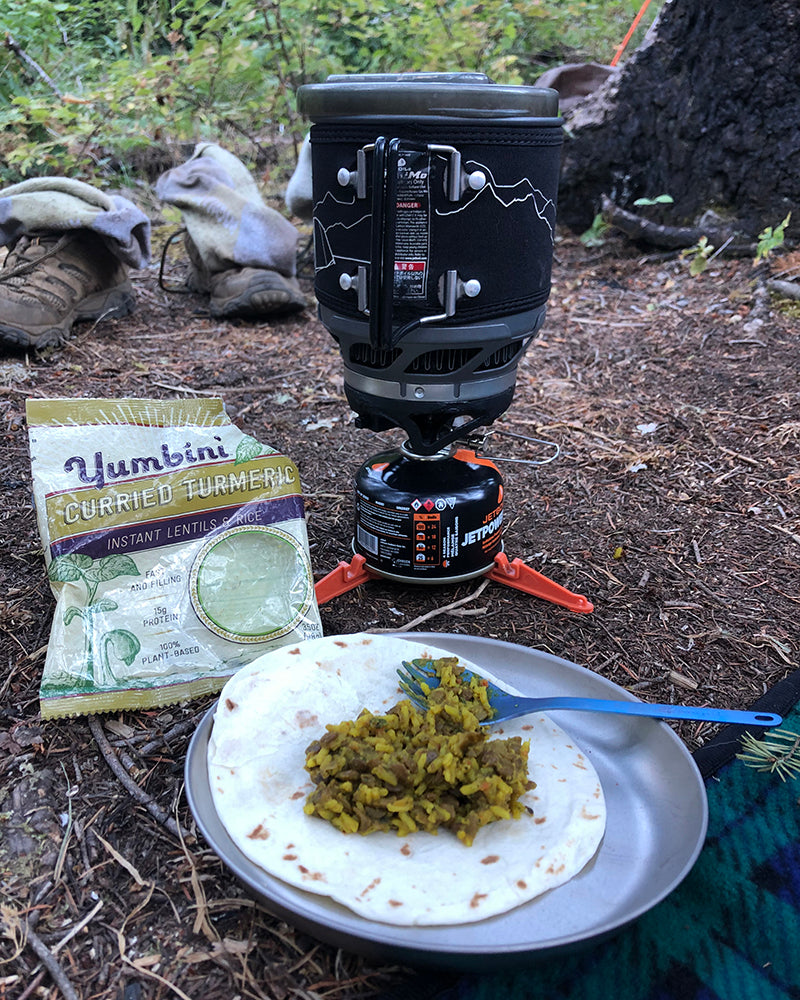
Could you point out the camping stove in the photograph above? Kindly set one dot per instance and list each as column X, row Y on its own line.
column 434, row 218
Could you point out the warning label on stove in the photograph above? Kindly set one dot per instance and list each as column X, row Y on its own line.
column 412, row 226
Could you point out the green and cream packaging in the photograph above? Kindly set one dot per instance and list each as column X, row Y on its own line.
column 176, row 548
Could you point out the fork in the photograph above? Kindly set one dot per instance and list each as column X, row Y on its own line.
column 413, row 675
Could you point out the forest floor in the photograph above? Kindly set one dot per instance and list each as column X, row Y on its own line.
column 673, row 506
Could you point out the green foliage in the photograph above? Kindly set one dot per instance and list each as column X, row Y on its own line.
column 84, row 86
column 778, row 753
column 699, row 256
column 703, row 252
column 661, row 199
column 595, row 235
column 770, row 239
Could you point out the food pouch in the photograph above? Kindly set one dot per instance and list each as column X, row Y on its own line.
column 175, row 545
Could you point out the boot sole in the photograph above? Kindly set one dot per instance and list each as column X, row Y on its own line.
column 267, row 294
column 107, row 304
column 250, row 306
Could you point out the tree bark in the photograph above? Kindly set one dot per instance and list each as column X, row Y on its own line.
column 707, row 110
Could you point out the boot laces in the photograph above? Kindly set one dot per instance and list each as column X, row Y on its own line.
column 182, row 288
column 20, row 261
column 27, row 272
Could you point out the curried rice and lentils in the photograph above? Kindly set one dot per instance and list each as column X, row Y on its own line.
column 409, row 770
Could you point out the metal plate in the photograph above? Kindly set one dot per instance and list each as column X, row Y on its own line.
column 656, row 826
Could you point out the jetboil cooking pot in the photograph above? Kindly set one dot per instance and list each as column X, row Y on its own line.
column 434, row 218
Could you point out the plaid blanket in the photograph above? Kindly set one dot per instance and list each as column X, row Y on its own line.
column 730, row 931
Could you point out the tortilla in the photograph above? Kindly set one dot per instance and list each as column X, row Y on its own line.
column 271, row 710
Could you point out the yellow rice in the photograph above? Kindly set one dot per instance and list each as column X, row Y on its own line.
column 409, row 770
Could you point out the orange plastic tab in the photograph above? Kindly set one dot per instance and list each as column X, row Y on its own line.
column 467, row 455
column 346, row 576
column 516, row 574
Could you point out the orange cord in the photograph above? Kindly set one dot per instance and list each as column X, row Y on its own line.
column 631, row 30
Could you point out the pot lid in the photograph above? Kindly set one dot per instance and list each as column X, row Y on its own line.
column 462, row 95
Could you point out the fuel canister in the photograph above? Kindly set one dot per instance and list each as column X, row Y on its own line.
column 428, row 519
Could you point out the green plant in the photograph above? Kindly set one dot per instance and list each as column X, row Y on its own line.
column 699, row 256
column 88, row 86
column 770, row 239
column 595, row 235
column 661, row 199
column 777, row 753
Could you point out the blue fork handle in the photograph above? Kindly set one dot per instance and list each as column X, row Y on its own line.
column 729, row 715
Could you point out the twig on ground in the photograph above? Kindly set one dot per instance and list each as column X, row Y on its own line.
column 787, row 289
column 670, row 237
column 179, row 729
column 49, row 961
column 77, row 928
column 682, row 680
column 436, row 612
column 130, row 785
column 32, row 986
column 792, row 534
column 215, row 391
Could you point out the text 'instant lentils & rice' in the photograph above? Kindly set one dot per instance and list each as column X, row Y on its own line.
column 408, row 770
column 175, row 545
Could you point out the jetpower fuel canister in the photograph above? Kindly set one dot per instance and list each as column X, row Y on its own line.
column 428, row 518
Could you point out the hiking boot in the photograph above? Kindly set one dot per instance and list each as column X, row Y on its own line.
column 50, row 282
column 253, row 292
column 242, row 291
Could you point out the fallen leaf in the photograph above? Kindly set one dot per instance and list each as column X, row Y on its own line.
column 123, row 861
column 325, row 424
column 119, row 728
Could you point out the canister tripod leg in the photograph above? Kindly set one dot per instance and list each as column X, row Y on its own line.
column 516, row 574
column 346, row 576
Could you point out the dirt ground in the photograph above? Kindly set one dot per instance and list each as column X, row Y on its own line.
column 673, row 506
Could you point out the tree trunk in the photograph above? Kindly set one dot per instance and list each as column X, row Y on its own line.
column 707, row 111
